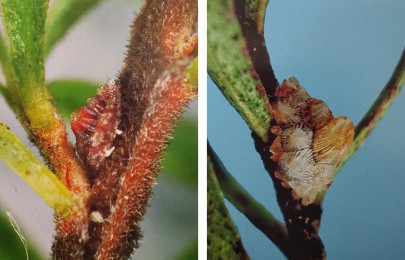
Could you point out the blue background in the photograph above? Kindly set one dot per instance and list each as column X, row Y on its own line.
column 342, row 52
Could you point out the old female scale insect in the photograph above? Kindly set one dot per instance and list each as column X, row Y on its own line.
column 309, row 141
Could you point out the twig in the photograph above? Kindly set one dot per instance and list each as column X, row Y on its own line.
column 378, row 109
column 248, row 206
column 223, row 238
column 131, row 121
column 257, row 47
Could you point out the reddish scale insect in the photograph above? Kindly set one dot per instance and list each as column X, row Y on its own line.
column 96, row 126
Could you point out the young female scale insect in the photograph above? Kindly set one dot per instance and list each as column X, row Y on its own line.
column 96, row 125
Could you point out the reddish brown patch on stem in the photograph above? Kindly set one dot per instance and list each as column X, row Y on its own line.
column 67, row 178
column 140, row 176
column 152, row 83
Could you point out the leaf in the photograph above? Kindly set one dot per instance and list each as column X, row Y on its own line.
column 11, row 246
column 20, row 159
column 181, row 157
column 378, row 109
column 190, row 252
column 63, row 14
column 231, row 69
column 192, row 72
column 71, row 94
column 24, row 23
column 3, row 90
column 3, row 53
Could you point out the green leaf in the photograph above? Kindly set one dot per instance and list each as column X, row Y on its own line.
column 10, row 93
column 190, row 252
column 231, row 68
column 24, row 23
column 71, row 94
column 192, row 72
column 20, row 159
column 63, row 14
column 3, row 53
column 181, row 158
column 3, row 90
column 11, row 246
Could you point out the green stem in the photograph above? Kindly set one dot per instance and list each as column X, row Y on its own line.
column 378, row 109
column 223, row 238
column 24, row 23
column 248, row 206
column 20, row 159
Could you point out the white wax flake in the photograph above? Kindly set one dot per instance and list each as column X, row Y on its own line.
column 117, row 131
column 108, row 152
column 95, row 216
column 111, row 82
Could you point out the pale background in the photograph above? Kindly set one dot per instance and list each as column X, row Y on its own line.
column 342, row 52
column 94, row 50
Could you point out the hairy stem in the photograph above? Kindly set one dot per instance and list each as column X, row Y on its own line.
column 122, row 131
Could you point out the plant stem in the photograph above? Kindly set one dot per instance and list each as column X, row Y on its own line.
column 248, row 206
column 223, row 238
column 302, row 221
column 256, row 10
column 24, row 25
column 377, row 109
column 253, row 34
column 152, row 89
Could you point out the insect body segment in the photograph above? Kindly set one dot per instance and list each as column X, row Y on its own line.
column 309, row 141
column 96, row 126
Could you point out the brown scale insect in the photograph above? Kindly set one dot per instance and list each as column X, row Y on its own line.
column 309, row 142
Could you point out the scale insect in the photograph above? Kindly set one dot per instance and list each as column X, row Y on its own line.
column 96, row 125
column 309, row 142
